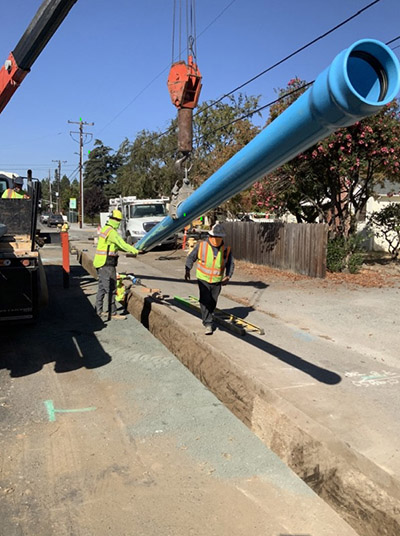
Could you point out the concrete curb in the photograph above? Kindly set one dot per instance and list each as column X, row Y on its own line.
column 365, row 495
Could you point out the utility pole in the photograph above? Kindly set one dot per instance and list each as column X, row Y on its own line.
column 58, row 182
column 51, row 199
column 81, row 144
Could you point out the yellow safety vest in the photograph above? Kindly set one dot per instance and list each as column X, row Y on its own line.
column 12, row 194
column 104, row 248
column 210, row 268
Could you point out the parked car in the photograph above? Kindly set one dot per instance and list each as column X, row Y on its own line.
column 44, row 217
column 54, row 220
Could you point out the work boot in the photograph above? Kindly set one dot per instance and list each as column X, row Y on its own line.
column 118, row 317
column 103, row 316
column 209, row 330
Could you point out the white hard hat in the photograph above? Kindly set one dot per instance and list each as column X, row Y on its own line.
column 217, row 230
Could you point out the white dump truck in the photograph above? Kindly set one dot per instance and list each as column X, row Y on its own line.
column 140, row 215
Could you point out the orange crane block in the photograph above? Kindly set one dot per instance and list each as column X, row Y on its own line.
column 184, row 84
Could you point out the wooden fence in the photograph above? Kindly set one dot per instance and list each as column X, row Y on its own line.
column 298, row 247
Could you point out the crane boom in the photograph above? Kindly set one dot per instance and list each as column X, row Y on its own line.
column 44, row 24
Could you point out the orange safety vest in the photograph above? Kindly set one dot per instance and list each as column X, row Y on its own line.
column 210, row 268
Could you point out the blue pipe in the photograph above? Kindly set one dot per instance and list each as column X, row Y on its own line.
column 360, row 81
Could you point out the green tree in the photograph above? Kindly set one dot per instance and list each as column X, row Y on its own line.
column 220, row 132
column 65, row 193
column 333, row 180
column 74, row 188
column 149, row 163
column 95, row 202
column 147, row 168
column 100, row 169
column 45, row 193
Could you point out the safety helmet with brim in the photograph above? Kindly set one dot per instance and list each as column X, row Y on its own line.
column 217, row 230
column 116, row 215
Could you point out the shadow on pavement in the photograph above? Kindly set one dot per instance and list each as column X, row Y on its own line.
column 64, row 334
column 318, row 373
column 255, row 284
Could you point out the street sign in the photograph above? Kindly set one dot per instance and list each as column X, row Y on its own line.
column 72, row 202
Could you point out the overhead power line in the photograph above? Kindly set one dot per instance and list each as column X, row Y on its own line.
column 257, row 110
column 289, row 56
column 393, row 40
column 163, row 71
column 286, row 58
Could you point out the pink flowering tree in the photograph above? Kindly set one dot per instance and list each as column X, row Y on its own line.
column 332, row 181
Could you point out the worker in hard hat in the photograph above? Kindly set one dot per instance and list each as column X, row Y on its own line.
column 16, row 192
column 106, row 260
column 214, row 260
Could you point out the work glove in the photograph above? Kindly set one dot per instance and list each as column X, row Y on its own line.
column 225, row 280
column 187, row 275
column 134, row 251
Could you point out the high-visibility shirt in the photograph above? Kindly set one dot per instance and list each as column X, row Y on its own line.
column 110, row 242
column 120, row 288
column 10, row 193
column 211, row 267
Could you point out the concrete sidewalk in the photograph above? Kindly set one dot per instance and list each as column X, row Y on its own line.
column 328, row 408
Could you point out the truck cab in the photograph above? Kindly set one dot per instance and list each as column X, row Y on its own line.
column 6, row 181
column 141, row 215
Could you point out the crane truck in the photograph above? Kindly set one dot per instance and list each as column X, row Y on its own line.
column 22, row 281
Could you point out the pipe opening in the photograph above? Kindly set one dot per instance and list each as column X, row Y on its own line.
column 367, row 76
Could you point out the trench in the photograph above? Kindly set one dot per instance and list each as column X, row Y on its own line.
column 362, row 493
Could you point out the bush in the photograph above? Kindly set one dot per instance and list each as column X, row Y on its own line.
column 335, row 255
column 344, row 254
column 355, row 262
column 387, row 225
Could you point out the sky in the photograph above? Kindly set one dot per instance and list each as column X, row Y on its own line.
column 109, row 60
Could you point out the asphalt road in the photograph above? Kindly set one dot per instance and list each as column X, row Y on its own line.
column 104, row 432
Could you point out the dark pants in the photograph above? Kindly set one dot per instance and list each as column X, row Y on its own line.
column 107, row 287
column 209, row 293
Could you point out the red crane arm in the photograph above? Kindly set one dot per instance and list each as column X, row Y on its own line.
column 48, row 18
column 11, row 77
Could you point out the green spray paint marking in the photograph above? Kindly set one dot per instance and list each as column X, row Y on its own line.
column 51, row 411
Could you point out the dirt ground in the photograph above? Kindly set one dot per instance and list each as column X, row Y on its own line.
column 372, row 275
